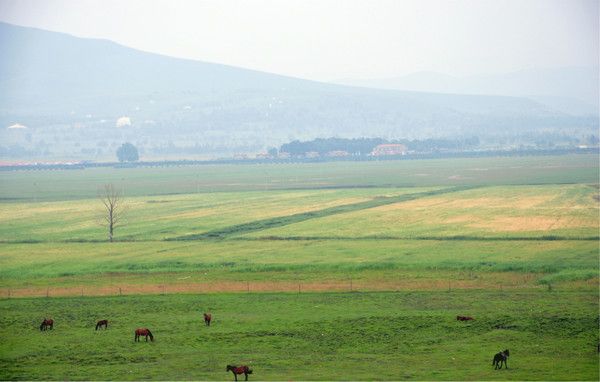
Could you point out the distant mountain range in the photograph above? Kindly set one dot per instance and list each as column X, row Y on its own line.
column 63, row 96
column 573, row 90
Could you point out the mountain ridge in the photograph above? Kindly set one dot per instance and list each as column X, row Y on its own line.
column 70, row 93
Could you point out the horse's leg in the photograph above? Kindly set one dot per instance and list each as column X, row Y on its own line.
column 234, row 375
column 246, row 374
column 506, row 364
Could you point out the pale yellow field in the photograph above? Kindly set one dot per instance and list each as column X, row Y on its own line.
column 563, row 210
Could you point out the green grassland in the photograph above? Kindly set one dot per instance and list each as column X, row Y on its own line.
column 151, row 218
column 83, row 184
column 569, row 211
column 65, row 263
column 511, row 241
column 314, row 336
column 561, row 211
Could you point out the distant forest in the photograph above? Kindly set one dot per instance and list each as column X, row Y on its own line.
column 363, row 146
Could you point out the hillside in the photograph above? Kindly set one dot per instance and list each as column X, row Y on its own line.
column 62, row 96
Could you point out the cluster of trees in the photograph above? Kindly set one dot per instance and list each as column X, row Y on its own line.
column 363, row 146
column 359, row 146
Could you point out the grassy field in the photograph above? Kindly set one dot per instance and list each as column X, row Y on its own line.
column 166, row 263
column 568, row 211
column 313, row 271
column 347, row 336
column 83, row 184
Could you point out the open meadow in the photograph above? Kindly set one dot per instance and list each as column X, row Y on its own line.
column 337, row 271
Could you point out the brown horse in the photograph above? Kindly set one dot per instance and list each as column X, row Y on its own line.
column 464, row 318
column 499, row 358
column 102, row 323
column 239, row 370
column 47, row 323
column 143, row 332
column 207, row 318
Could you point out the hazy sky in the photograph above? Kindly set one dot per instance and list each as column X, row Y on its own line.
column 327, row 40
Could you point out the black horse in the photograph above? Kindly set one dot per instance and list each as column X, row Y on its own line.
column 239, row 370
column 499, row 358
column 102, row 323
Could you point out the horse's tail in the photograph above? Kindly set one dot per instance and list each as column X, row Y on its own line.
column 42, row 326
column 97, row 325
column 150, row 334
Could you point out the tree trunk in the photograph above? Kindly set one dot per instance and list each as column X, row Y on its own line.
column 110, row 226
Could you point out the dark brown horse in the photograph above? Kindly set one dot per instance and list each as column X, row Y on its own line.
column 48, row 323
column 464, row 318
column 499, row 358
column 102, row 323
column 143, row 332
column 239, row 370
column 207, row 318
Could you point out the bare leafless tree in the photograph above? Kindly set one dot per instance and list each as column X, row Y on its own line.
column 114, row 208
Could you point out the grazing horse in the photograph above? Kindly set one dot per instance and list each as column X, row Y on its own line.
column 464, row 318
column 47, row 323
column 239, row 370
column 143, row 332
column 207, row 318
column 102, row 323
column 499, row 358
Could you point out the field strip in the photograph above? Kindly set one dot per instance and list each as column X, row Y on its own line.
column 419, row 238
column 259, row 225
column 272, row 286
column 330, row 238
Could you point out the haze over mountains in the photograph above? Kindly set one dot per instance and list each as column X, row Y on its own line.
column 61, row 97
column 574, row 90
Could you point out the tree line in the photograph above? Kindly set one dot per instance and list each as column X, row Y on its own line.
column 363, row 146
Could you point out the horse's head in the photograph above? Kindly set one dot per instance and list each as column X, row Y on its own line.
column 506, row 353
column 150, row 335
column 229, row 367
